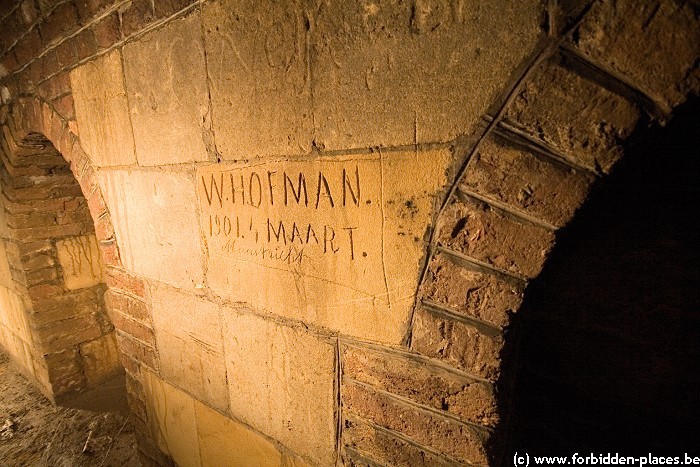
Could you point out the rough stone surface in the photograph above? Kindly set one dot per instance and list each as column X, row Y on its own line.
column 256, row 57
column 478, row 231
column 574, row 115
column 666, row 66
column 433, row 387
column 341, row 248
column 102, row 111
column 80, row 261
column 395, row 73
column 167, row 88
column 460, row 441
column 188, row 333
column 385, row 449
column 100, row 359
column 519, row 178
column 469, row 292
column 155, row 224
column 457, row 343
column 172, row 420
column 281, row 382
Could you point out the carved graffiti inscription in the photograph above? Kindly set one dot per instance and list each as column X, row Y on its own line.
column 326, row 241
column 320, row 219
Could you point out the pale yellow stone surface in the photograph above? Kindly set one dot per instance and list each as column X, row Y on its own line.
column 167, row 87
column 5, row 276
column 172, row 420
column 388, row 73
column 100, row 359
column 281, row 382
column 102, row 111
column 189, row 337
column 226, row 443
column 13, row 316
column 260, row 91
column 81, row 261
column 351, row 265
column 155, row 221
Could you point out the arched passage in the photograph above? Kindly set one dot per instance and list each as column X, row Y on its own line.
column 610, row 334
column 54, row 320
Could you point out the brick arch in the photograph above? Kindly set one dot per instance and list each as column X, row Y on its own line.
column 558, row 131
column 81, row 353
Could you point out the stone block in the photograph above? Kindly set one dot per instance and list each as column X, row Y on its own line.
column 469, row 292
column 100, row 359
column 259, row 78
column 129, row 306
column 337, row 242
column 102, row 111
column 5, row 275
column 65, row 371
column 666, row 66
column 433, row 387
column 224, row 442
column 526, row 181
column 483, row 233
column 578, row 117
column 460, row 441
column 13, row 315
column 80, row 261
column 172, row 420
column 387, row 73
column 60, row 335
column 121, row 280
column 189, row 336
column 282, row 383
column 155, row 224
column 386, row 449
column 456, row 343
column 166, row 83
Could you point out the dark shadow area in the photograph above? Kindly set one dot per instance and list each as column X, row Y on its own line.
column 610, row 351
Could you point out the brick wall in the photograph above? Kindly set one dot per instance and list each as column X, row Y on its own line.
column 473, row 130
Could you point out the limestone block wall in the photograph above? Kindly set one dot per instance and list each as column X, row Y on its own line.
column 318, row 218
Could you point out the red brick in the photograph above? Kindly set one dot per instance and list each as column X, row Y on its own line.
column 85, row 44
column 483, row 233
column 121, row 280
column 107, row 31
column 103, row 228
column 526, row 181
column 110, row 253
column 9, row 62
column 469, row 292
column 384, row 448
column 66, row 53
column 60, row 23
column 132, row 307
column 168, row 7
column 134, row 328
column 88, row 8
column 578, row 117
column 463, row 442
column 669, row 31
column 29, row 47
column 137, row 16
column 456, row 343
column 137, row 350
column 96, row 204
column 49, row 64
column 409, row 377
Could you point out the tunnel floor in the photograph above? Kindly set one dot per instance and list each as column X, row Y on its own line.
column 91, row 430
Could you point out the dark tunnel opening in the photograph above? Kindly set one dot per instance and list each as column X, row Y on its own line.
column 610, row 351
